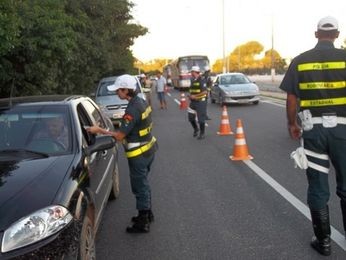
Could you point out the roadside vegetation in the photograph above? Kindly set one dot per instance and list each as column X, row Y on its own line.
column 65, row 46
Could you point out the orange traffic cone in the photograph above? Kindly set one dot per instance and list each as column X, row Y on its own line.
column 240, row 150
column 183, row 102
column 225, row 127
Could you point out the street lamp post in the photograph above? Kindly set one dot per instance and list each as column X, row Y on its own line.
column 223, row 37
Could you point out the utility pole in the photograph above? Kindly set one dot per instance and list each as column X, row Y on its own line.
column 272, row 71
column 223, row 37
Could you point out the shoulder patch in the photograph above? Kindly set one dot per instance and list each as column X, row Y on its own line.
column 128, row 117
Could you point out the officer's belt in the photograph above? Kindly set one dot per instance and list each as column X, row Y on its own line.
column 130, row 146
column 339, row 120
column 141, row 149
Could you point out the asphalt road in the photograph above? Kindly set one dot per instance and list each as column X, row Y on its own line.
column 209, row 207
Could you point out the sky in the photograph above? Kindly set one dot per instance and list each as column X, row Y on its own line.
column 217, row 27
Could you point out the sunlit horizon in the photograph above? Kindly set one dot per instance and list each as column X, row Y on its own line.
column 187, row 27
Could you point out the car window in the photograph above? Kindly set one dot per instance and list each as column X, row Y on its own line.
column 40, row 128
column 103, row 90
column 94, row 114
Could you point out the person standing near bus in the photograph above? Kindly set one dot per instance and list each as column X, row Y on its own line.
column 161, row 85
column 198, row 106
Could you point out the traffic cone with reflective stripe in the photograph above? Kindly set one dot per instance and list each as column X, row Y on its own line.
column 225, row 127
column 240, row 149
column 183, row 102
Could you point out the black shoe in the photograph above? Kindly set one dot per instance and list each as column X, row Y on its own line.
column 195, row 133
column 150, row 217
column 201, row 136
column 138, row 228
column 322, row 246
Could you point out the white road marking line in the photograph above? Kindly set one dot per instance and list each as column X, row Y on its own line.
column 336, row 235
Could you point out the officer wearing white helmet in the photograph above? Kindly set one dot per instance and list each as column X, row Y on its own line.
column 140, row 146
column 198, row 106
column 315, row 83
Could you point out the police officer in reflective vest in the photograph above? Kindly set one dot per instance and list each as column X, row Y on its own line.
column 140, row 147
column 198, row 105
column 316, row 88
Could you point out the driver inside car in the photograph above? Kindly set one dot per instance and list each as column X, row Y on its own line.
column 55, row 130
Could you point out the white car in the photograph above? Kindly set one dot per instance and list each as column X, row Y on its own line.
column 234, row 88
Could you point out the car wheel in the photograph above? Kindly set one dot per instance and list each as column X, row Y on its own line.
column 87, row 248
column 255, row 102
column 115, row 185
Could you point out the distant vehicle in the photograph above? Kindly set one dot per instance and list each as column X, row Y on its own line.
column 109, row 101
column 234, row 88
column 179, row 70
column 54, row 182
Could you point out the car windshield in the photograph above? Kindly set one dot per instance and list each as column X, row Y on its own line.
column 233, row 79
column 37, row 128
column 103, row 91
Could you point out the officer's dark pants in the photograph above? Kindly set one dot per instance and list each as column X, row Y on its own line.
column 139, row 170
column 330, row 141
column 201, row 112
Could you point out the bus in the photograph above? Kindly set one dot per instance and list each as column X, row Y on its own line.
column 179, row 69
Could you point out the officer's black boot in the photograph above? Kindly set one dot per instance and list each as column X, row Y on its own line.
column 321, row 226
column 142, row 224
column 201, row 134
column 150, row 217
column 343, row 210
column 195, row 128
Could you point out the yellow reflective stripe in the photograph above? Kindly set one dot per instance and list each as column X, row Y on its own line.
column 141, row 149
column 194, row 90
column 146, row 113
column 323, row 85
column 322, row 65
column 145, row 131
column 323, row 102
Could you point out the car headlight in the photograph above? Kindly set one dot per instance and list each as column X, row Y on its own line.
column 35, row 227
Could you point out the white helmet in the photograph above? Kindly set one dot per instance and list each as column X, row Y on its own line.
column 195, row 68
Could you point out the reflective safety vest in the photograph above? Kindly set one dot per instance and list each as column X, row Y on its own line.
column 322, row 84
column 196, row 88
column 140, row 140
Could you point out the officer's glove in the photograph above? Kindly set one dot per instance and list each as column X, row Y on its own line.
column 299, row 158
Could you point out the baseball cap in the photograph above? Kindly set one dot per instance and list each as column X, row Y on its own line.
column 123, row 81
column 328, row 23
column 195, row 68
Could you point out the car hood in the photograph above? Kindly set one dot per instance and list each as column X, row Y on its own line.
column 29, row 185
column 110, row 100
column 239, row 87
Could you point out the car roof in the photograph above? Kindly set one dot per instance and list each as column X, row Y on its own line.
column 230, row 73
column 5, row 102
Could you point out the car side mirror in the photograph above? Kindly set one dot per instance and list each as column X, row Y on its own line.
column 102, row 142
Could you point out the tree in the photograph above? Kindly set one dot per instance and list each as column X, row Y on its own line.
column 245, row 58
column 57, row 47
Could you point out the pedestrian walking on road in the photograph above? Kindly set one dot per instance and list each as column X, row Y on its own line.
column 140, row 146
column 161, row 85
column 198, row 106
column 316, row 91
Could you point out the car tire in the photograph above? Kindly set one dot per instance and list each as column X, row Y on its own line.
column 87, row 247
column 115, row 185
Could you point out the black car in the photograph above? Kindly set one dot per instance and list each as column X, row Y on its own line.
column 55, row 177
